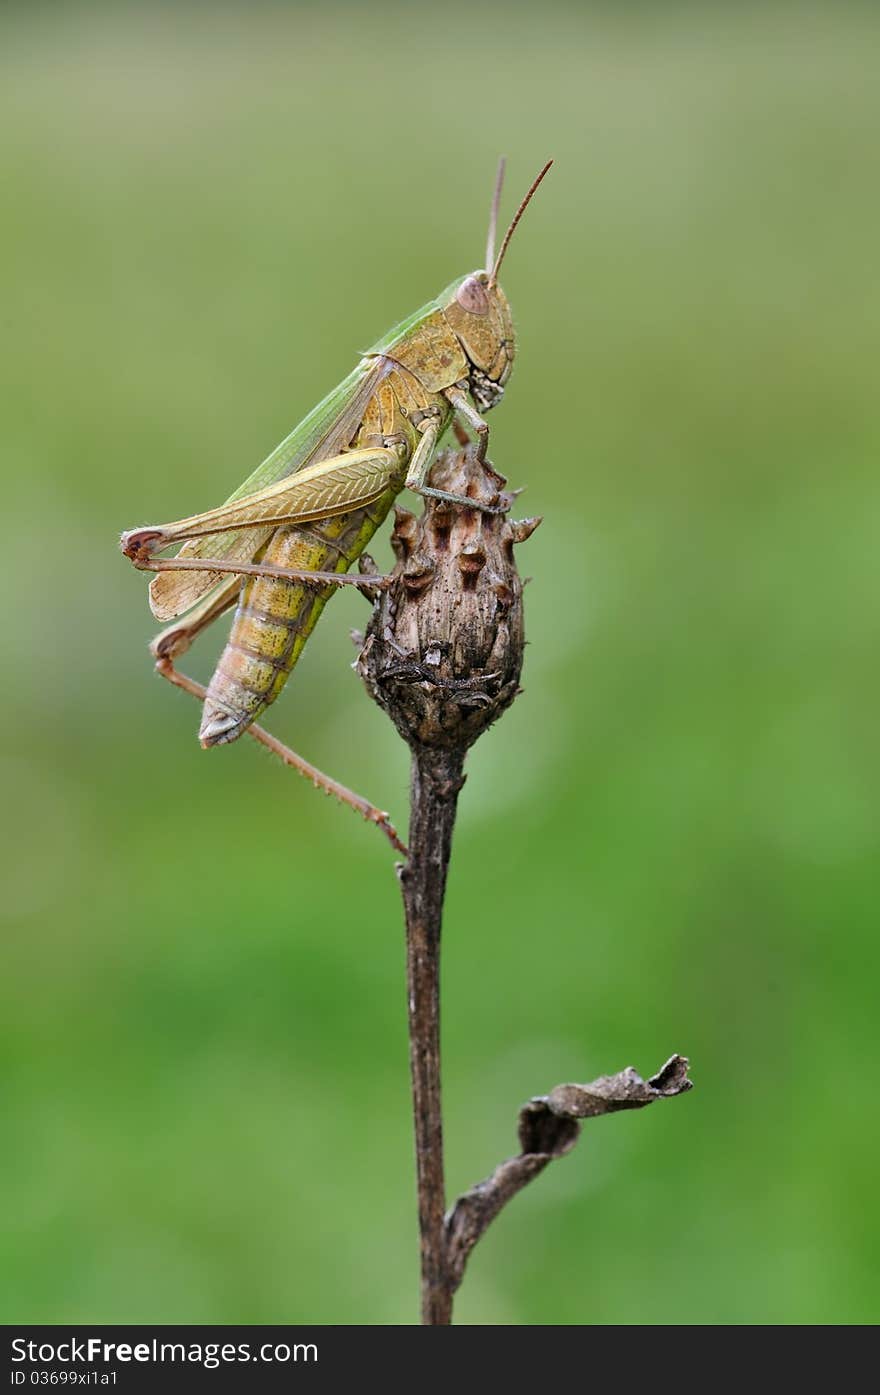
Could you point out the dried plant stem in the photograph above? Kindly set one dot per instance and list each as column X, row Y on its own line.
column 436, row 778
column 442, row 656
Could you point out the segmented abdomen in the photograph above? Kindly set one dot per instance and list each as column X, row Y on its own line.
column 275, row 618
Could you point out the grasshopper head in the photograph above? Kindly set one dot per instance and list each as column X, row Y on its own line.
column 479, row 314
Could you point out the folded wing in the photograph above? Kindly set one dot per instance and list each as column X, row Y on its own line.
column 328, row 429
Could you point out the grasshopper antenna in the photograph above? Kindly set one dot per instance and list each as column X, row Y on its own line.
column 516, row 217
column 493, row 213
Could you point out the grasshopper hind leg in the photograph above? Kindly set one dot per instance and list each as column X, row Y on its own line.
column 368, row 811
column 177, row 638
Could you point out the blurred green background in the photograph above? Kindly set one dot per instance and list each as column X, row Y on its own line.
column 669, row 844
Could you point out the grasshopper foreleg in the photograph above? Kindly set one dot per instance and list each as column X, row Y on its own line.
column 421, row 463
column 369, row 811
column 480, row 427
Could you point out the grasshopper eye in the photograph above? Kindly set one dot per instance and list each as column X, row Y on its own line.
column 472, row 297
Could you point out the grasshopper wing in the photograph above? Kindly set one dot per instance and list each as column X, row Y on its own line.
column 326, row 431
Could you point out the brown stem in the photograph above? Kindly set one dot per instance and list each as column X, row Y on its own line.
column 442, row 656
column 436, row 778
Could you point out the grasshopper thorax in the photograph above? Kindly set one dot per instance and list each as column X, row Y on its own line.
column 479, row 315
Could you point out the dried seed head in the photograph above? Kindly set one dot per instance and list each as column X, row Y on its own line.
column 471, row 561
column 445, row 643
column 417, row 573
column 404, row 532
column 522, row 528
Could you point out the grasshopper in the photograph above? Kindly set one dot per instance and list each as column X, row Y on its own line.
column 284, row 541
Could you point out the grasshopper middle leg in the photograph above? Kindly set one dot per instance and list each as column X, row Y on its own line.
column 422, row 460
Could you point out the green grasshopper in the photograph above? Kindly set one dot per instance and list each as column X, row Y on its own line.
column 282, row 543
